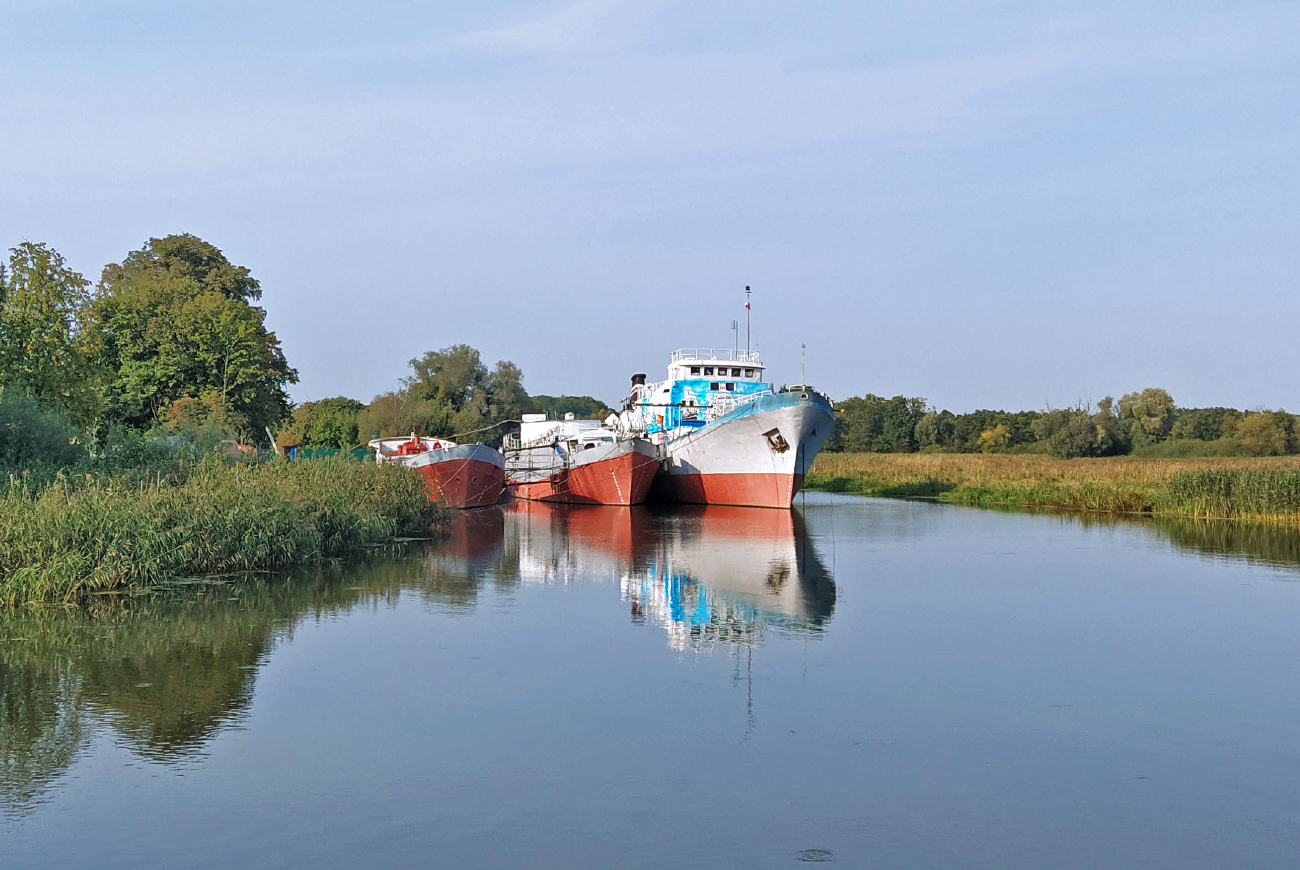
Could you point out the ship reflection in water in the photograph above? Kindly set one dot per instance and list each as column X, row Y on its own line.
column 706, row 574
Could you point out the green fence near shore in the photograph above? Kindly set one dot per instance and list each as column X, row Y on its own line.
column 297, row 454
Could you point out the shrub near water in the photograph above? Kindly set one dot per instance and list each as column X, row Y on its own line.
column 66, row 542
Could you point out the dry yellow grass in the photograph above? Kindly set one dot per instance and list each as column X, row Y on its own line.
column 1114, row 484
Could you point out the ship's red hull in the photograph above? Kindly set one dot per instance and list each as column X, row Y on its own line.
column 623, row 480
column 463, row 483
column 754, row 490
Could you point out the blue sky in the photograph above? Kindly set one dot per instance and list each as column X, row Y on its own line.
column 989, row 204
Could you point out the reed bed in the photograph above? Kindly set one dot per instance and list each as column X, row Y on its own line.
column 71, row 539
column 1264, row 490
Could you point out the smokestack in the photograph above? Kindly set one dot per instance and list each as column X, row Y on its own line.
column 638, row 387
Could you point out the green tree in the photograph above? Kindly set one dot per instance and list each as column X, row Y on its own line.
column 1204, row 424
column 43, row 305
column 936, row 429
column 968, row 428
column 450, row 393
column 328, row 423
column 582, row 407
column 1147, row 416
column 190, row 259
column 174, row 321
column 32, row 434
column 873, row 424
column 1071, row 433
column 454, row 375
column 1265, row 433
column 399, row 413
column 507, row 399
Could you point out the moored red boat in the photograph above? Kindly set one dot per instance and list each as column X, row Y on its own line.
column 456, row 475
column 577, row 462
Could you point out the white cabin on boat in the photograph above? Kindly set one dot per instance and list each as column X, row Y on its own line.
column 571, row 434
column 703, row 363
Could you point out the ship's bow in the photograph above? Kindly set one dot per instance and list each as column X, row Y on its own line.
column 758, row 455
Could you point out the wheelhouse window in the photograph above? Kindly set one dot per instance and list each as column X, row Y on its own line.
column 749, row 373
column 735, row 373
column 708, row 370
column 695, row 370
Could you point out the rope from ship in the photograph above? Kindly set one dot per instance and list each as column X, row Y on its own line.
column 481, row 429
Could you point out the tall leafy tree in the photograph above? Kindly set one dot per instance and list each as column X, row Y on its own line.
column 43, row 353
column 450, row 392
column 327, row 423
column 873, row 424
column 1147, row 416
column 174, row 321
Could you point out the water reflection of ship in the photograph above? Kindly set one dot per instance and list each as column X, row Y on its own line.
column 471, row 555
column 727, row 574
column 706, row 574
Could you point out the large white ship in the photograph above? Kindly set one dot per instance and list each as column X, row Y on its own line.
column 725, row 435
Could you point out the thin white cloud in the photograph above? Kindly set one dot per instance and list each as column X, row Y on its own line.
column 581, row 26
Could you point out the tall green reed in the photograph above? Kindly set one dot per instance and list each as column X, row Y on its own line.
column 77, row 536
column 1232, row 492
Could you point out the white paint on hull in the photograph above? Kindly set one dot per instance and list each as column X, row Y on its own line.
column 742, row 444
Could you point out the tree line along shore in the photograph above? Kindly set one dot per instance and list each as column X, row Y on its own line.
column 138, row 417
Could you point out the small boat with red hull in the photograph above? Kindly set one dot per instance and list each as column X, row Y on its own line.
column 456, row 475
column 578, row 462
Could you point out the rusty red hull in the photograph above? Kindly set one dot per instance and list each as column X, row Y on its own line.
column 465, row 483
column 619, row 480
column 755, row 490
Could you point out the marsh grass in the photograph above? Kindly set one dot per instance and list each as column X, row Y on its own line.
column 1263, row 490
column 78, row 536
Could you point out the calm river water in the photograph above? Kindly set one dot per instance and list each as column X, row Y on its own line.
column 871, row 683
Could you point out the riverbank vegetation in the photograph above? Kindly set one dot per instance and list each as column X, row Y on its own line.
column 1146, row 423
column 131, row 414
column 1258, row 490
column 66, row 537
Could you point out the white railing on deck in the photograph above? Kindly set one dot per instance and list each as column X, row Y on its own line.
column 726, row 404
column 709, row 354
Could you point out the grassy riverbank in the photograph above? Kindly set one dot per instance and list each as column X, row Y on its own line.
column 78, row 536
column 1260, row 490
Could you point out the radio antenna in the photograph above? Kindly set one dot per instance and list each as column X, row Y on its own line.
column 747, row 292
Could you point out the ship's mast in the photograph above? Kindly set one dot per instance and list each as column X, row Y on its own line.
column 747, row 292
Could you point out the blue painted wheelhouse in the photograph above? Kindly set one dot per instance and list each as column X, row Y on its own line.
column 702, row 385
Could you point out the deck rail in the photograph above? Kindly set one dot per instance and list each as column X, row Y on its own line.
column 710, row 354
